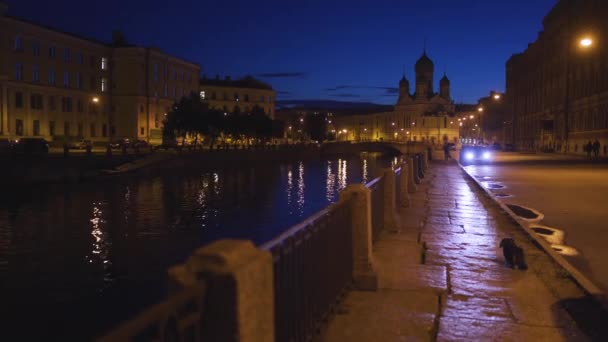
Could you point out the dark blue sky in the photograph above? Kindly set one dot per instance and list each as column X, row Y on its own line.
column 340, row 50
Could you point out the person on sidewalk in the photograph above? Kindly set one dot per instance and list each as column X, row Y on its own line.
column 588, row 149
column 596, row 148
column 446, row 151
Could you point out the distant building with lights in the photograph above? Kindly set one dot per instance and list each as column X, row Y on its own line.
column 424, row 115
column 63, row 87
column 227, row 94
column 557, row 89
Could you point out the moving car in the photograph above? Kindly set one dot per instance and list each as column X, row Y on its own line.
column 32, row 146
column 475, row 154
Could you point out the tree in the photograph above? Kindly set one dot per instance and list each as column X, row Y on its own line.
column 187, row 118
column 316, row 126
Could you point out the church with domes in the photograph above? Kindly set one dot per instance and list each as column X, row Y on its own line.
column 420, row 114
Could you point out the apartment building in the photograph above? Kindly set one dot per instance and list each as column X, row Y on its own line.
column 64, row 87
column 245, row 93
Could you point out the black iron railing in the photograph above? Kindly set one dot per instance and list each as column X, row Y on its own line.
column 376, row 186
column 178, row 318
column 313, row 266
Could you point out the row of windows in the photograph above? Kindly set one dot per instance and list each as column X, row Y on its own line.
column 69, row 81
column 67, row 103
column 177, row 75
column 236, row 97
column 52, row 129
column 78, row 56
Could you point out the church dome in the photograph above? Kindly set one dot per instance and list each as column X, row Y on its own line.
column 424, row 64
column 444, row 79
column 404, row 81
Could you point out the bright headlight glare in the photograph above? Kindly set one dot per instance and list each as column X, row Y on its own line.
column 469, row 155
column 486, row 155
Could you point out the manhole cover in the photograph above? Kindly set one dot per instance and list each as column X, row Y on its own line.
column 494, row 186
column 525, row 213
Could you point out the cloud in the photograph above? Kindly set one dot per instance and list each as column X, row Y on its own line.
column 282, row 75
column 388, row 90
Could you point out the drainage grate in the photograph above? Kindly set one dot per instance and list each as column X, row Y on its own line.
column 495, row 186
column 543, row 231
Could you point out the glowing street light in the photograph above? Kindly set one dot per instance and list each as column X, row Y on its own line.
column 393, row 124
column 301, row 119
column 496, row 96
column 95, row 99
column 472, row 117
column 480, row 109
column 586, row 42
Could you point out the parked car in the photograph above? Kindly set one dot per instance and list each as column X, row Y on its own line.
column 140, row 144
column 121, row 143
column 475, row 154
column 31, row 146
column 6, row 146
column 82, row 144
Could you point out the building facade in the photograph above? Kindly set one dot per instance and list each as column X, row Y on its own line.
column 557, row 89
column 424, row 115
column 62, row 87
column 246, row 93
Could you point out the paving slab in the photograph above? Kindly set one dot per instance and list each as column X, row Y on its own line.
column 385, row 315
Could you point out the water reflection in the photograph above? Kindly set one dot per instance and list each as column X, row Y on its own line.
column 109, row 244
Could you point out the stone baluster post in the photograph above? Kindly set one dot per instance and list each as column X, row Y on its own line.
column 390, row 197
column 415, row 162
column 411, row 176
column 364, row 275
column 239, row 298
column 403, row 184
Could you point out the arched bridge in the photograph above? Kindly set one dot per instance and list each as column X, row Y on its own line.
column 386, row 147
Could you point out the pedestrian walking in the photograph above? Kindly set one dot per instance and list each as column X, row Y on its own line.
column 596, row 148
column 588, row 149
column 446, row 151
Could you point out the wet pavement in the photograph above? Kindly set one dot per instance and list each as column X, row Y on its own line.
column 571, row 192
column 442, row 277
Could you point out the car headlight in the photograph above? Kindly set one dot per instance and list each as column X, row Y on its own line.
column 486, row 155
column 469, row 155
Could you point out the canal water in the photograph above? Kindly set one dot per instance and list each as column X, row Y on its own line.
column 75, row 260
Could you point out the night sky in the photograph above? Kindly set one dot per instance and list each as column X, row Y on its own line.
column 337, row 50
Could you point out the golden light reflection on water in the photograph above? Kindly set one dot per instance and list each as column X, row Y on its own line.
column 342, row 174
column 101, row 243
column 330, row 183
column 289, row 186
column 301, row 187
column 364, row 172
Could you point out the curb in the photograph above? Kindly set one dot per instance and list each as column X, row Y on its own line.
column 587, row 285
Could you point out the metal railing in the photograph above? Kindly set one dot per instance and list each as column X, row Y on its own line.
column 177, row 318
column 376, row 187
column 313, row 265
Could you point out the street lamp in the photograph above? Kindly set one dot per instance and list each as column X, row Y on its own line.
column 496, row 96
column 586, row 42
column 95, row 99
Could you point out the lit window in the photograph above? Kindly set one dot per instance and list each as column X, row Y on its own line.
column 202, row 95
column 18, row 43
column 104, row 84
column 104, row 63
column 19, row 72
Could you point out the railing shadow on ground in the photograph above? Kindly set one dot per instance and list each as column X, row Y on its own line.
column 285, row 289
